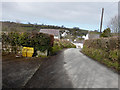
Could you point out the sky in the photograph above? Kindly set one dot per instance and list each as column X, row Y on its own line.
column 85, row 15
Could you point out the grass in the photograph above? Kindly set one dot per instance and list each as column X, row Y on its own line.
column 110, row 59
column 61, row 44
column 42, row 56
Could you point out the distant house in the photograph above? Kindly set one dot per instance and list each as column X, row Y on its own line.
column 65, row 33
column 85, row 37
column 91, row 36
column 54, row 32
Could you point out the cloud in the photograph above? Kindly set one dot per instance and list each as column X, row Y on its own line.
column 79, row 13
column 59, row 0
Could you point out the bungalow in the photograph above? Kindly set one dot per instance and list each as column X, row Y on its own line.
column 91, row 36
column 54, row 32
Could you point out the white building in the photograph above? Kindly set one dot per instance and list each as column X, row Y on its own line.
column 91, row 36
column 64, row 33
column 85, row 37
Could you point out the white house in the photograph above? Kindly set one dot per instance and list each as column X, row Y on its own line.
column 64, row 33
column 54, row 32
column 91, row 36
column 85, row 37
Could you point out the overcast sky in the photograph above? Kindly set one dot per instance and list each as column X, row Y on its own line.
column 85, row 15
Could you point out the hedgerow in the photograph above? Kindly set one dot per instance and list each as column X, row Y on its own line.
column 38, row 41
column 60, row 44
column 104, row 50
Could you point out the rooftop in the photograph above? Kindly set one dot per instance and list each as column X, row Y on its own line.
column 50, row 31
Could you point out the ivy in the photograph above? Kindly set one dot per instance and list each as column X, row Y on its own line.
column 39, row 41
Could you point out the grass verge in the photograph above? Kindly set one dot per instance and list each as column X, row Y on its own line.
column 110, row 59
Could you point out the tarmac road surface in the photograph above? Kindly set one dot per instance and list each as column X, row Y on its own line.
column 72, row 69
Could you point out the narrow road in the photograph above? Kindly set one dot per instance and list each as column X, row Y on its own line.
column 71, row 69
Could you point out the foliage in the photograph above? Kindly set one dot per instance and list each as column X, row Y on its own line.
column 94, row 32
column 60, row 44
column 56, row 48
column 80, row 38
column 104, row 50
column 66, row 44
column 106, row 33
column 10, row 26
column 111, row 60
column 43, row 56
column 103, row 43
column 39, row 41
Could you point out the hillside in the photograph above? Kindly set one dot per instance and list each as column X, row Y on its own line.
column 13, row 26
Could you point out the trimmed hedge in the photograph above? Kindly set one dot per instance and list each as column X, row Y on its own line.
column 60, row 44
column 64, row 44
column 39, row 41
column 103, row 43
column 105, row 50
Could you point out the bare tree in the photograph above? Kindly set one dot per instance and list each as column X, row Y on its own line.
column 113, row 24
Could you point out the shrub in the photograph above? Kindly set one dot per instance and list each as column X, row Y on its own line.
column 39, row 41
column 60, row 44
column 103, row 43
column 104, row 50
column 66, row 44
column 106, row 33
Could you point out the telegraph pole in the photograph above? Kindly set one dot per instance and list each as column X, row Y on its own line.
column 101, row 20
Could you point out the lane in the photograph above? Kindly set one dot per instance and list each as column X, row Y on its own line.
column 71, row 69
column 87, row 73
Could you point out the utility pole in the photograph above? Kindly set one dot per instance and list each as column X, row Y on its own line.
column 101, row 20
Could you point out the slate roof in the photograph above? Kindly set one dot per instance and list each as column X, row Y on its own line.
column 94, row 36
column 54, row 32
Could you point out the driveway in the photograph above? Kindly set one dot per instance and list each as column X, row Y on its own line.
column 17, row 71
column 72, row 69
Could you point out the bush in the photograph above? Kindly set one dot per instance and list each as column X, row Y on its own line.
column 106, row 33
column 104, row 50
column 66, row 44
column 103, row 43
column 60, row 44
column 39, row 41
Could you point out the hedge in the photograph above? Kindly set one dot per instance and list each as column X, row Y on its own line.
column 104, row 50
column 39, row 41
column 60, row 44
column 103, row 43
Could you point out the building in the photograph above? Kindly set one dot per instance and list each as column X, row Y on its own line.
column 91, row 36
column 94, row 36
column 65, row 33
column 54, row 32
column 85, row 37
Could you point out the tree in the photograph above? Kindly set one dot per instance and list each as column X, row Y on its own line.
column 35, row 24
column 62, row 26
column 76, row 28
column 29, row 23
column 113, row 24
column 106, row 33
